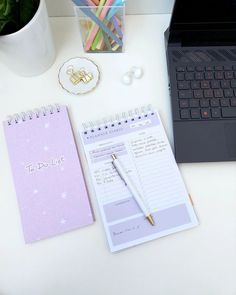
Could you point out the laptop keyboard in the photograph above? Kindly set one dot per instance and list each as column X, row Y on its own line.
column 206, row 92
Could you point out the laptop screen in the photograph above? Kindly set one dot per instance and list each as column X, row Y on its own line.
column 204, row 15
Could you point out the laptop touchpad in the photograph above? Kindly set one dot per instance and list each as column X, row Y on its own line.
column 230, row 134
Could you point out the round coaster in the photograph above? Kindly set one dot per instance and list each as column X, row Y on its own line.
column 79, row 75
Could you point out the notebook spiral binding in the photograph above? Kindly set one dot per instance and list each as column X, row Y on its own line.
column 118, row 119
column 32, row 114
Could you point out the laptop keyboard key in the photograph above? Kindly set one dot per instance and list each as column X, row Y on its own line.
column 185, row 94
column 205, row 113
column 194, row 103
column 205, row 84
column 228, row 93
column 233, row 102
column 199, row 68
column 227, row 68
column 233, row 83
column 189, row 76
column 185, row 114
column 190, row 68
column 204, row 103
column 225, row 84
column 183, row 103
column 180, row 76
column 214, row 102
column 218, row 93
column 183, row 85
column 209, row 68
column 224, row 102
column 219, row 68
column 198, row 93
column 199, row 76
column 180, row 69
column 229, row 75
column 215, row 113
column 209, row 76
column 219, row 75
column 215, row 84
column 229, row 112
column 195, row 84
column 208, row 93
column 195, row 114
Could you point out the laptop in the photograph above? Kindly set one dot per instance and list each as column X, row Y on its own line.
column 201, row 59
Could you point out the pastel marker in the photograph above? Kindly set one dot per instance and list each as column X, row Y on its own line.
column 90, row 14
column 96, row 28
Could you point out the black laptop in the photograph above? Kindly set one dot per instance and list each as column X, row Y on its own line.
column 201, row 58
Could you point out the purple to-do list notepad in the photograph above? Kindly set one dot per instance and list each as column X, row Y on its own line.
column 47, row 174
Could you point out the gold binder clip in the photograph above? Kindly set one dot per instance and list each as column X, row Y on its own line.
column 85, row 76
column 74, row 76
column 77, row 76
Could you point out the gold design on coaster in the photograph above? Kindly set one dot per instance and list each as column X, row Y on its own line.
column 77, row 76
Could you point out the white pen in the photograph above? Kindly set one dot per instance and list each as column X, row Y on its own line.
column 120, row 170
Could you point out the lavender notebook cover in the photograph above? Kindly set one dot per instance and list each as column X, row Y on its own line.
column 48, row 179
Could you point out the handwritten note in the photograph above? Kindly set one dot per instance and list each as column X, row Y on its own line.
column 145, row 154
column 147, row 146
column 42, row 165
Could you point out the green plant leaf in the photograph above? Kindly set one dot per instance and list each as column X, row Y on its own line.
column 4, row 8
column 2, row 24
column 15, row 14
column 8, row 11
column 27, row 10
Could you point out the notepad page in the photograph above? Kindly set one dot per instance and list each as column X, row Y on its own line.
column 47, row 174
column 143, row 149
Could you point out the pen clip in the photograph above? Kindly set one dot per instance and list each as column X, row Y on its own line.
column 191, row 200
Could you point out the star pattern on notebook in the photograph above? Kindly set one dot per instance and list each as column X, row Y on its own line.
column 64, row 195
column 46, row 148
column 62, row 221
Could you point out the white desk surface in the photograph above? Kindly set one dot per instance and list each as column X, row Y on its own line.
column 197, row 261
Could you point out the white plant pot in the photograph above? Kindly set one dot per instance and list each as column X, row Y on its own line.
column 29, row 51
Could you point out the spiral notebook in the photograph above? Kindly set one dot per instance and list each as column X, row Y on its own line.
column 48, row 179
column 139, row 140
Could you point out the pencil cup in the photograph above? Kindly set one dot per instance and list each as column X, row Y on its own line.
column 101, row 28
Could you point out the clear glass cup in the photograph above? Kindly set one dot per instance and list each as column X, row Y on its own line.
column 101, row 28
